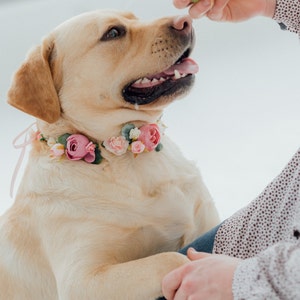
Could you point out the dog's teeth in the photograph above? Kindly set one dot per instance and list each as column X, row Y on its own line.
column 177, row 74
column 183, row 75
column 138, row 81
column 154, row 80
column 162, row 79
column 145, row 80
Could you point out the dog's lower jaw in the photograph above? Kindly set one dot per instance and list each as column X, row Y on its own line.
column 169, row 89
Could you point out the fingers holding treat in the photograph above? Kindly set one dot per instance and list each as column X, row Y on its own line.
column 199, row 8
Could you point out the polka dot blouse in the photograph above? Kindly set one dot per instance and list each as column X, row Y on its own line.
column 266, row 233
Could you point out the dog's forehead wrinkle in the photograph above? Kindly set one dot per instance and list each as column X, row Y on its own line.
column 75, row 29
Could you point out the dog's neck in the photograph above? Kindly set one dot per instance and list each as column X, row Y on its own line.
column 132, row 138
column 49, row 135
column 100, row 126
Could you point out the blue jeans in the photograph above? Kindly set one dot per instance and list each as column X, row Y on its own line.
column 204, row 243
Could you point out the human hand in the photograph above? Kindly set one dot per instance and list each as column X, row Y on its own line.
column 207, row 276
column 228, row 10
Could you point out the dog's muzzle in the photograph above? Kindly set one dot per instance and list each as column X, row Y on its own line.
column 176, row 79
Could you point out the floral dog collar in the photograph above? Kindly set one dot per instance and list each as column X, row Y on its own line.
column 137, row 140
column 74, row 147
column 78, row 147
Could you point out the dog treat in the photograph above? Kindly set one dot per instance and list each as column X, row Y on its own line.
column 194, row 1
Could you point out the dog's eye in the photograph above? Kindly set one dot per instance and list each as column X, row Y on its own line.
column 114, row 33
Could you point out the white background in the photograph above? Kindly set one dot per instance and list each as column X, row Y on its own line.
column 240, row 124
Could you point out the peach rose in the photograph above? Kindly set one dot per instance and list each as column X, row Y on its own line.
column 137, row 147
column 116, row 145
column 57, row 150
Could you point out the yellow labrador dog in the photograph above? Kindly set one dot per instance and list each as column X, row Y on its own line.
column 106, row 199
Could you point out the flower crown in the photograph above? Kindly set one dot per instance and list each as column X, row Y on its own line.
column 78, row 147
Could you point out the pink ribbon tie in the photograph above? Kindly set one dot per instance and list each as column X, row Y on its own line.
column 29, row 136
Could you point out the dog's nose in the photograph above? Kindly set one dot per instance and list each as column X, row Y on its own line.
column 182, row 23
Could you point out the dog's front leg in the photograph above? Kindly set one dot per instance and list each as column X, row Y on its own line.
column 138, row 279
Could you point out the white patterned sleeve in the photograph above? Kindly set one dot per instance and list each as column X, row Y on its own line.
column 273, row 274
column 287, row 14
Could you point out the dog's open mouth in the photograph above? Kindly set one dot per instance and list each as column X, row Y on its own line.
column 147, row 89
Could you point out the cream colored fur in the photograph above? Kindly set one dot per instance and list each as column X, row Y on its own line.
column 108, row 231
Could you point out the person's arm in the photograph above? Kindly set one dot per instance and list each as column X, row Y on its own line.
column 207, row 276
column 285, row 12
column 273, row 274
column 228, row 10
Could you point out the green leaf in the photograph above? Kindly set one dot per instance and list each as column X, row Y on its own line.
column 63, row 139
column 126, row 131
column 43, row 139
column 159, row 147
column 98, row 156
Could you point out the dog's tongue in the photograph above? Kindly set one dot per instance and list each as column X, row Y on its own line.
column 186, row 66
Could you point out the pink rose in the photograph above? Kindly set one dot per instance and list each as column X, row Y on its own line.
column 90, row 147
column 150, row 136
column 116, row 145
column 57, row 150
column 137, row 147
column 79, row 147
column 39, row 136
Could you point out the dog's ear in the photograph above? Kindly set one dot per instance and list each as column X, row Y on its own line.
column 32, row 89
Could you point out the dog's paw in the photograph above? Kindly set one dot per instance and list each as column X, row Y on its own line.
column 175, row 259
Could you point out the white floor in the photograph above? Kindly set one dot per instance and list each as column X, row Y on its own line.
column 241, row 123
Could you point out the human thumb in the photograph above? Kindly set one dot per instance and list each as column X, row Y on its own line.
column 194, row 255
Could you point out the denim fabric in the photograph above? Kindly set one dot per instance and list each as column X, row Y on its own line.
column 204, row 243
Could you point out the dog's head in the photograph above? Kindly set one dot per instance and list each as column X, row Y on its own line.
column 102, row 69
